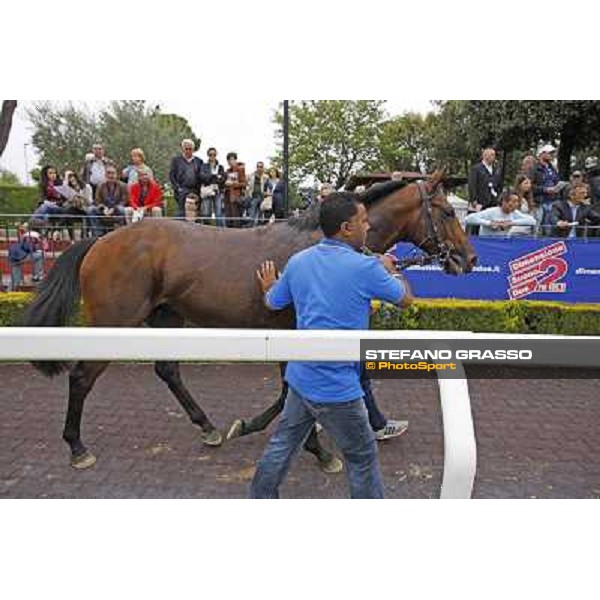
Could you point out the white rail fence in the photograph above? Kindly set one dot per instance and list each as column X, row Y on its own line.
column 262, row 345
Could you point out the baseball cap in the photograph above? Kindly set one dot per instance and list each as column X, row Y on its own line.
column 549, row 148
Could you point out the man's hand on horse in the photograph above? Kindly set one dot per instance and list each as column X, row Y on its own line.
column 390, row 263
column 267, row 275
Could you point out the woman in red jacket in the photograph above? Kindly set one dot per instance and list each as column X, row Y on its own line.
column 145, row 198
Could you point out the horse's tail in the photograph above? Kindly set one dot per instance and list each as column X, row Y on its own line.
column 57, row 299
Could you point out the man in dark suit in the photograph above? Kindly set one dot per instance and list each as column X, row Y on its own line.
column 484, row 184
column 569, row 216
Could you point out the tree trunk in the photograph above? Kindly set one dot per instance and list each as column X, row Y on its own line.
column 565, row 151
column 6, row 117
column 503, row 169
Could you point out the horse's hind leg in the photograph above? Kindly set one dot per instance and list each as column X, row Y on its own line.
column 259, row 422
column 328, row 462
column 168, row 371
column 81, row 380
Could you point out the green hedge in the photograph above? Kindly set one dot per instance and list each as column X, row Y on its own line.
column 18, row 199
column 512, row 316
column 517, row 316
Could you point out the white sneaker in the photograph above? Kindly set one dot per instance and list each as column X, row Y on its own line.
column 392, row 429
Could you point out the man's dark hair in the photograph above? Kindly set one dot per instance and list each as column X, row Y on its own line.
column 192, row 196
column 508, row 193
column 231, row 155
column 336, row 209
column 211, row 149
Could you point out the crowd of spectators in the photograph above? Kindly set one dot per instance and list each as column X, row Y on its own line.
column 102, row 196
column 538, row 202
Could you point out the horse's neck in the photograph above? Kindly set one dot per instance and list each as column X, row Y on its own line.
column 390, row 226
column 385, row 236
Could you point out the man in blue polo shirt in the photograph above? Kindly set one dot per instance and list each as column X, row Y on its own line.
column 331, row 286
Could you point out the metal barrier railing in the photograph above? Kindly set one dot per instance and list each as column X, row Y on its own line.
column 58, row 232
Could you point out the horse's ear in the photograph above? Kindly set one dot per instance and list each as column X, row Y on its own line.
column 437, row 178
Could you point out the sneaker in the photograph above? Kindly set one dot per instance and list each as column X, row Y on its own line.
column 392, row 429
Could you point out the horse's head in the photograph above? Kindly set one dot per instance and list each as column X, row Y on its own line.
column 420, row 213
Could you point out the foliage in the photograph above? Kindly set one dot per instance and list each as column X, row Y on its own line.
column 12, row 306
column 515, row 124
column 406, row 143
column 8, row 178
column 513, row 316
column 18, row 199
column 331, row 139
column 63, row 135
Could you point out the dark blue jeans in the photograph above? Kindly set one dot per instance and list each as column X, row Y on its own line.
column 346, row 422
column 376, row 417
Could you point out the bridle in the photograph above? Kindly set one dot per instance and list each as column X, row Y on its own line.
column 442, row 250
column 441, row 253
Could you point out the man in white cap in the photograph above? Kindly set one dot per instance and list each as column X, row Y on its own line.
column 545, row 187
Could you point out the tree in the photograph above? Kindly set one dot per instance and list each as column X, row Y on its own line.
column 6, row 117
column 8, row 178
column 64, row 135
column 405, row 143
column 511, row 125
column 331, row 139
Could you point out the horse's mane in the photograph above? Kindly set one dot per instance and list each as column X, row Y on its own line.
column 380, row 190
column 307, row 220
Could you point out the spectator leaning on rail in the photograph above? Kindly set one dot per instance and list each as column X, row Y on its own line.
column 145, row 198
column 112, row 197
column 78, row 203
column 185, row 175
column 331, row 286
column 499, row 220
column 51, row 200
column 569, row 217
column 94, row 168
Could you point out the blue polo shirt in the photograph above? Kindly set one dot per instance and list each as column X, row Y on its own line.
column 331, row 286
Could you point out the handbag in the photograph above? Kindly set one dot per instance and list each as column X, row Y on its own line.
column 207, row 191
column 267, row 204
column 138, row 215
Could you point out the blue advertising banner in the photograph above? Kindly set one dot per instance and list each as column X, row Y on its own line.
column 566, row 270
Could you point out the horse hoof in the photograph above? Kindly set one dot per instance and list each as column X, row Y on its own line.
column 213, row 438
column 331, row 466
column 83, row 461
column 235, row 430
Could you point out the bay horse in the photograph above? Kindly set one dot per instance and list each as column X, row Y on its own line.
column 162, row 273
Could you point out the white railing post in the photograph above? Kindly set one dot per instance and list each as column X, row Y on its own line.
column 460, row 447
